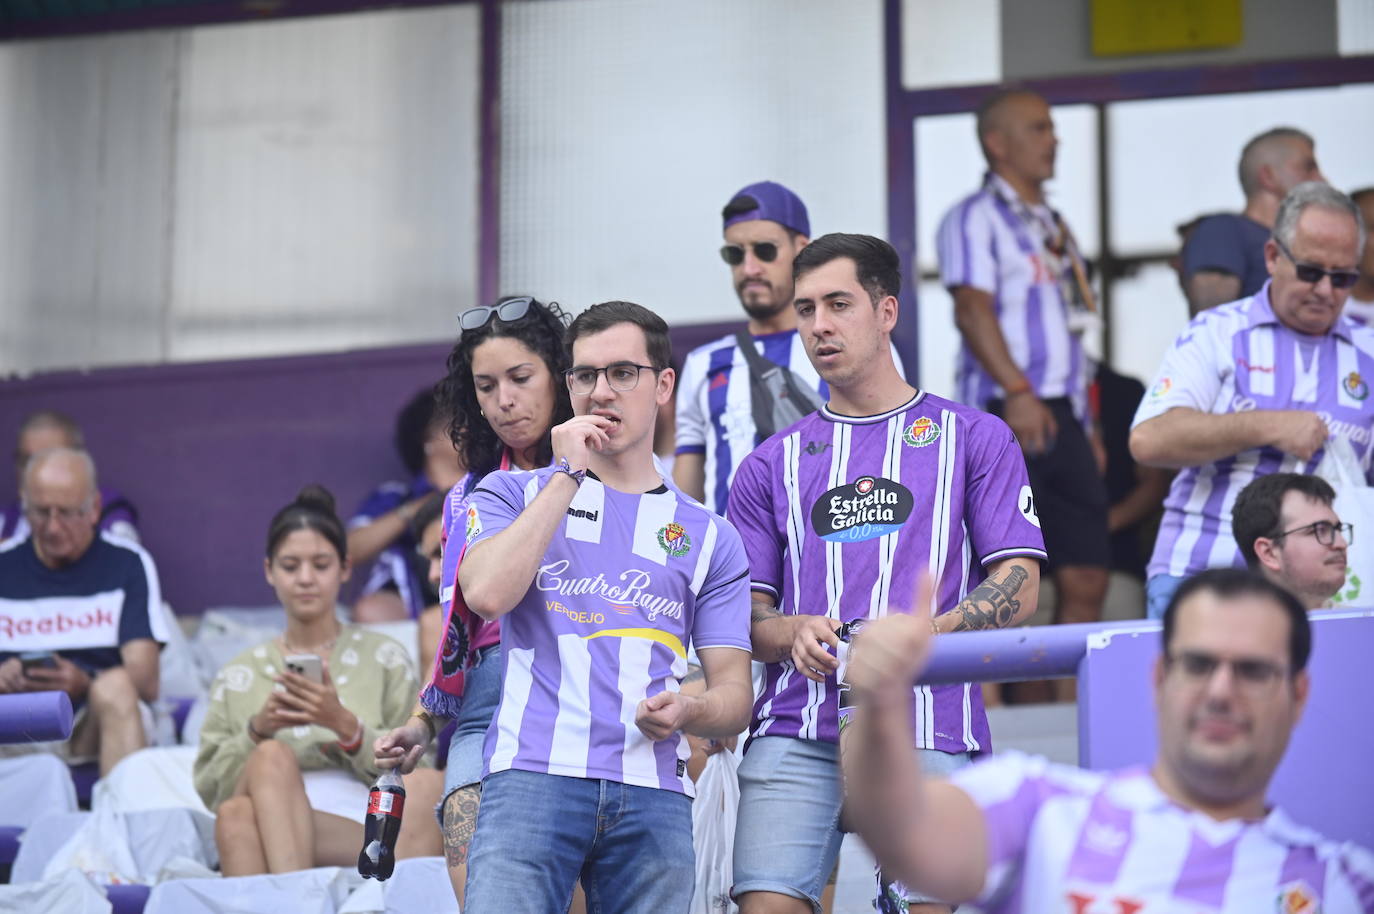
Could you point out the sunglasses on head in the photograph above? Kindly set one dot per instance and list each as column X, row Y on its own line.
column 733, row 254
column 512, row 309
column 1340, row 279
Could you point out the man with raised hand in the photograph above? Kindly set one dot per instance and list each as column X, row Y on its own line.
column 1194, row 832
column 602, row 576
column 839, row 512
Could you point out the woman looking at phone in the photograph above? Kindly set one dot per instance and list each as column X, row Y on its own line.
column 505, row 391
column 284, row 757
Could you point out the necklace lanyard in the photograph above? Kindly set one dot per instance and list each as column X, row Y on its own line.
column 1061, row 249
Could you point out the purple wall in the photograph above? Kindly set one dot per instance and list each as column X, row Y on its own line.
column 209, row 451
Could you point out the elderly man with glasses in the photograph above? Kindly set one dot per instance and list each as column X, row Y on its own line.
column 80, row 612
column 1288, row 531
column 1257, row 386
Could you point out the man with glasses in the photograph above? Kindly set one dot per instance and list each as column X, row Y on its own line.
column 1223, row 257
column 80, row 612
column 602, row 577
column 1288, row 531
column 1194, row 832
column 765, row 226
column 1257, row 386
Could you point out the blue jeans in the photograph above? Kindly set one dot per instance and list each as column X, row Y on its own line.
column 1159, row 590
column 538, row 833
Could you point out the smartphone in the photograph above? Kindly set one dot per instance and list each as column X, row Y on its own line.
column 32, row 660
column 307, row 665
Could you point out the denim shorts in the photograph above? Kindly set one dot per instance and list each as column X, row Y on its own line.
column 537, row 834
column 787, row 838
column 481, row 695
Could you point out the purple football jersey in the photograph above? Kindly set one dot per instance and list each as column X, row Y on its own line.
column 841, row 515
column 628, row 583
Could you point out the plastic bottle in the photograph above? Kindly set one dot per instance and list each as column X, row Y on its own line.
column 385, row 803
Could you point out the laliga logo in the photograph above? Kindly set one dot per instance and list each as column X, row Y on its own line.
column 1161, row 387
column 921, row 432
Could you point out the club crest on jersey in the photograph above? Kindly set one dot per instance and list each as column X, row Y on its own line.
column 921, row 432
column 864, row 509
column 1355, row 386
column 474, row 523
column 674, row 540
column 1298, row 898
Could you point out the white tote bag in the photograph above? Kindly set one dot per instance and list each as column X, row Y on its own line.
column 1354, row 505
column 713, row 834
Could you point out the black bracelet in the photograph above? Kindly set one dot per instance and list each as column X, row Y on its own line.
column 254, row 734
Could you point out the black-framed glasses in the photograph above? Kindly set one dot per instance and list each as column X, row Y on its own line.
column 512, row 309
column 1323, row 531
column 1309, row 273
column 733, row 254
column 1250, row 673
column 621, row 376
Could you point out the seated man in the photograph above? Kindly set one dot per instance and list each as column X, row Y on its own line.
column 46, row 429
column 1193, row 833
column 1288, row 531
column 79, row 612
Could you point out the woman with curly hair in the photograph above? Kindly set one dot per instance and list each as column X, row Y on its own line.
column 505, row 391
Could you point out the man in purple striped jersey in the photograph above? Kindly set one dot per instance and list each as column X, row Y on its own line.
column 1258, row 385
column 602, row 577
column 1023, row 305
column 1194, row 834
column 838, row 513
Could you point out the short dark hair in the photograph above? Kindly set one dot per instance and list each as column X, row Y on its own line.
column 413, row 425
column 541, row 331
column 313, row 509
column 1241, row 582
column 607, row 314
column 876, row 263
column 1258, row 508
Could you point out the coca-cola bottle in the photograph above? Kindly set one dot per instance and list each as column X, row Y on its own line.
column 385, row 803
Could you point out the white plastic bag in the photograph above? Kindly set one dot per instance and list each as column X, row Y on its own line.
column 1354, row 505
column 713, row 834
column 100, row 849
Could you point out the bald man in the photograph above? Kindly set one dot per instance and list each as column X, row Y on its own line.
column 1223, row 258
column 80, row 612
column 1023, row 304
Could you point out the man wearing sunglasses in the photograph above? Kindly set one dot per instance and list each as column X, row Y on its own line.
column 1258, row 385
column 1288, row 531
column 1223, row 258
column 1194, row 832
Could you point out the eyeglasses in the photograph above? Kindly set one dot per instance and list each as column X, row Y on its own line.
column 1198, row 667
column 621, row 376
column 512, row 309
column 1340, row 279
column 1323, row 530
column 40, row 514
column 733, row 254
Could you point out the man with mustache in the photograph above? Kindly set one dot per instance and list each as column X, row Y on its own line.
column 1193, row 833
column 1288, row 531
column 1256, row 386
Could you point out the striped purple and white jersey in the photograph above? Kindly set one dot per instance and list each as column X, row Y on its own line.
column 992, row 241
column 1239, row 357
column 627, row 583
column 841, row 515
column 714, row 412
column 1091, row 842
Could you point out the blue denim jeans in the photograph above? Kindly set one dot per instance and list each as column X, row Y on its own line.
column 1159, row 590
column 538, row 833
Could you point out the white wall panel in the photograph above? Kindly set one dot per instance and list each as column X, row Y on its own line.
column 628, row 125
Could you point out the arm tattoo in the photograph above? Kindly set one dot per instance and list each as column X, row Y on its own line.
column 460, row 821
column 761, row 609
column 992, row 604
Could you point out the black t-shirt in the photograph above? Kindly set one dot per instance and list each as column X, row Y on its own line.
column 84, row 611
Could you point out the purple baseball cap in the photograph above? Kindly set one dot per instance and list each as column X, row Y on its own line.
column 767, row 200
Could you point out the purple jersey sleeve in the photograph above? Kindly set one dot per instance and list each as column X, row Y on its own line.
column 496, row 501
column 964, row 245
column 998, row 506
column 721, row 617
column 387, row 497
column 751, row 512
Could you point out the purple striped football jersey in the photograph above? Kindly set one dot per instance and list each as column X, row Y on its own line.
column 840, row 516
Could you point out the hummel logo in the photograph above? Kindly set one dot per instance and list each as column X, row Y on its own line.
column 583, row 513
column 815, row 447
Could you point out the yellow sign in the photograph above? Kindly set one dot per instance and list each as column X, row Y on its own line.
column 1151, row 26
